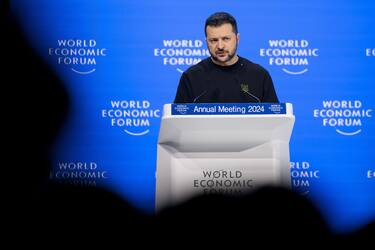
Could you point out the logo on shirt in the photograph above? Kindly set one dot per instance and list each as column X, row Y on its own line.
column 181, row 54
column 80, row 55
column 293, row 56
column 245, row 87
column 345, row 116
column 134, row 117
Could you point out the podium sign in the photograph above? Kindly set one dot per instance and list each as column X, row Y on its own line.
column 221, row 148
column 228, row 109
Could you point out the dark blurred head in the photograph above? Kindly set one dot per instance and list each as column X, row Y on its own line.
column 38, row 105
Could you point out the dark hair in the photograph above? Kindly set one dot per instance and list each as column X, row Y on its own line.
column 219, row 18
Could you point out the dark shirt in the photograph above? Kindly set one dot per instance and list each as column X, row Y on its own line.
column 207, row 82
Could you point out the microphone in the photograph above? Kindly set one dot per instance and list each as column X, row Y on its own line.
column 196, row 98
column 244, row 88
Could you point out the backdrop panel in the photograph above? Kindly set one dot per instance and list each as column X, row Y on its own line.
column 121, row 61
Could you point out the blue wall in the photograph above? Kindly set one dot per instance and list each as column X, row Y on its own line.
column 121, row 61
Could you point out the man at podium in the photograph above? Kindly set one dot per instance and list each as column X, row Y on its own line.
column 225, row 77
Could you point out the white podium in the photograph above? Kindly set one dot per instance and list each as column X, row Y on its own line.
column 221, row 148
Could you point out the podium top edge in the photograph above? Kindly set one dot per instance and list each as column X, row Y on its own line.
column 228, row 109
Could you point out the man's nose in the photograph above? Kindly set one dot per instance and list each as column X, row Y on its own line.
column 220, row 44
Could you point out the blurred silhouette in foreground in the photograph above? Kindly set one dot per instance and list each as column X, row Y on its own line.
column 39, row 103
column 41, row 208
column 268, row 214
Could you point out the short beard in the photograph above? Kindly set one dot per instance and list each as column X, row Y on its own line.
column 216, row 59
column 230, row 56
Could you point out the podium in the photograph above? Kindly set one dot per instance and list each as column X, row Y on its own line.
column 218, row 148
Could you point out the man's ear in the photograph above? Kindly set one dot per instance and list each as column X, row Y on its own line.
column 238, row 37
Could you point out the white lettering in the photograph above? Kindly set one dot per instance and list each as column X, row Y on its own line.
column 289, row 43
column 370, row 51
column 183, row 43
column 371, row 174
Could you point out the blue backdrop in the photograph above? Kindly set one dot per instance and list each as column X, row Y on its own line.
column 121, row 61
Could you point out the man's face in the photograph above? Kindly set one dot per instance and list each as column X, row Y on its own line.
column 222, row 44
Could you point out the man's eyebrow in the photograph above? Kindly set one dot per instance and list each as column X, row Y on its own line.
column 219, row 37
